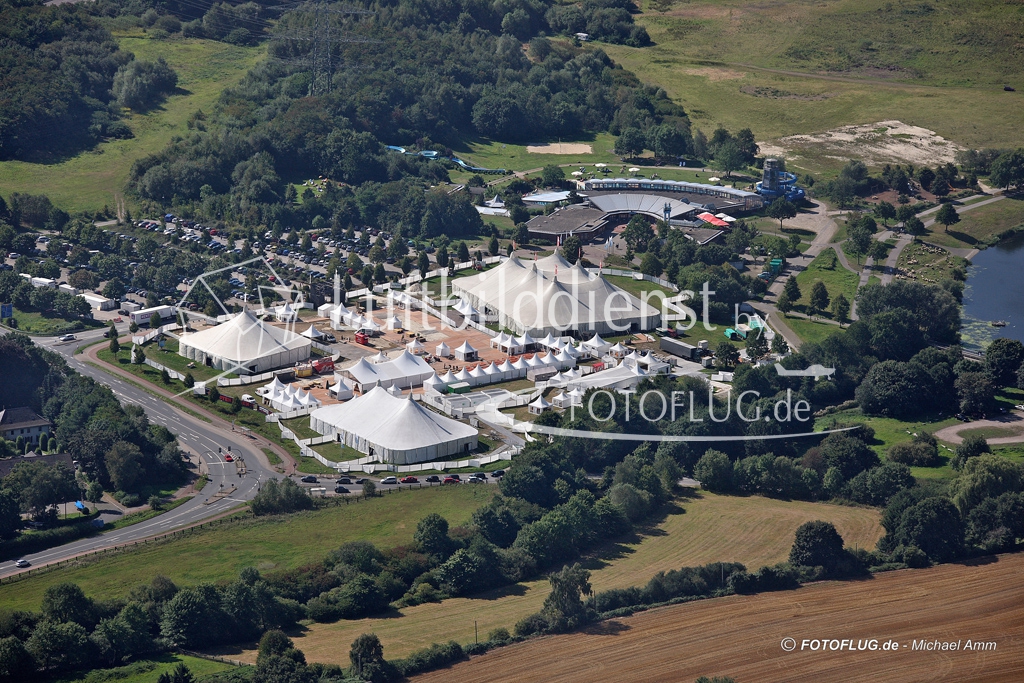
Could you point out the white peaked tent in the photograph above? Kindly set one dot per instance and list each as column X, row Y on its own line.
column 618, row 351
column 521, row 365
column 395, row 430
column 379, row 357
column 560, row 400
column 506, row 369
column 394, row 323
column 526, row 342
column 463, row 376
column 465, row 352
column 448, row 378
column 404, row 371
column 597, row 344
column 394, row 391
column 276, row 386
column 434, row 383
column 552, row 295
column 245, row 345
column 548, row 341
column 501, row 341
column 342, row 389
column 478, row 375
column 416, row 347
column 370, row 324
column 442, row 350
column 285, row 313
column 538, row 406
column 493, row 373
column 312, row 333
column 467, row 310
column 534, row 361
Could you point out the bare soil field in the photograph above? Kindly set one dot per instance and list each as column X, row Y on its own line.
column 560, row 148
column 742, row 636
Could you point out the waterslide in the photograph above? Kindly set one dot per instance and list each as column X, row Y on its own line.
column 430, row 154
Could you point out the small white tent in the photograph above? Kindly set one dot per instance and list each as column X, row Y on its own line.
column 465, row 352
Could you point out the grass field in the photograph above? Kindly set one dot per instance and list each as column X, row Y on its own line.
column 148, row 670
column 754, row 531
column 810, row 331
column 492, row 154
column 218, row 553
column 928, row 263
column 888, row 431
column 33, row 322
column 792, row 67
column 838, row 280
column 740, row 636
column 90, row 180
column 991, row 432
column 982, row 226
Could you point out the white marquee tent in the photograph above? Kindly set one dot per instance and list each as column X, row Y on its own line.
column 244, row 344
column 403, row 371
column 397, row 430
column 551, row 296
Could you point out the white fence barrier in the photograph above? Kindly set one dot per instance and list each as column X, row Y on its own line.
column 173, row 373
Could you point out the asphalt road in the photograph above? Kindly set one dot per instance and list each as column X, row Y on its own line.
column 203, row 440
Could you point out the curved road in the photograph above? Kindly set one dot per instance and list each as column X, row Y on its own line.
column 194, row 435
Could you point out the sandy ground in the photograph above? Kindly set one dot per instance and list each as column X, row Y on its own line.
column 874, row 143
column 716, row 73
column 560, row 148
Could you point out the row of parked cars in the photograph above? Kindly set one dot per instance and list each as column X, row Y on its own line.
column 342, row 482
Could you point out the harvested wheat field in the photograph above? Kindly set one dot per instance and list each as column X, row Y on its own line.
column 707, row 528
column 741, row 636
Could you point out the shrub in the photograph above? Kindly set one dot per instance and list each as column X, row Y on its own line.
column 434, row 657
column 914, row 454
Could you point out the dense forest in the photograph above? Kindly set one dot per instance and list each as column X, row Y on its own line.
column 64, row 81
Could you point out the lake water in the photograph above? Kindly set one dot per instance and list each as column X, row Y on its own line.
column 995, row 291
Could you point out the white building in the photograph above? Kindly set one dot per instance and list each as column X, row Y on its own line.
column 99, row 303
column 398, row 431
column 246, row 345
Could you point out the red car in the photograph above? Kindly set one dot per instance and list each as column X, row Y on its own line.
column 450, row 480
column 228, row 458
column 409, row 480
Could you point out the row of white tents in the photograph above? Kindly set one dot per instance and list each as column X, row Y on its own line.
column 284, row 397
column 504, row 371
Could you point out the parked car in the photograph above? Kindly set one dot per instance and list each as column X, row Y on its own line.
column 450, row 480
column 410, row 480
column 22, row 564
column 310, row 479
column 341, row 489
column 476, row 480
column 344, row 480
column 455, row 477
column 433, row 478
column 498, row 474
column 389, row 480
column 1020, row 407
column 362, row 480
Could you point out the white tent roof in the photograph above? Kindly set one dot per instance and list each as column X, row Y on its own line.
column 477, row 373
column 415, row 346
column 285, row 312
column 596, row 342
column 442, row 349
column 463, row 376
column 505, row 366
column 492, row 369
column 521, row 364
column 448, row 377
column 397, row 370
column 540, row 402
column 394, row 323
column 243, row 339
column 548, row 341
column 465, row 348
column 392, row 423
column 618, row 348
column 526, row 340
column 379, row 357
column 553, row 294
column 433, row 381
column 312, row 333
column 534, row 361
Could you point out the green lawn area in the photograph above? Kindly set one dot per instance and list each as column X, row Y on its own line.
column 90, row 180
column 148, row 670
column 35, row 323
column 168, row 357
column 711, row 56
column 929, row 263
column 990, row 432
column 280, row 542
column 982, row 226
column 492, row 154
column 888, row 431
column 809, row 330
column 142, row 516
column 639, row 288
column 838, row 280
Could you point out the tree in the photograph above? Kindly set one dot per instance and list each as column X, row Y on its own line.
column 638, row 234
column 971, row 447
column 1008, row 170
column 67, row 602
column 1003, row 358
column 521, row 234
column 885, row 211
column 781, row 209
column 165, row 376
column 125, row 465
column 179, row 674
column 947, row 215
column 463, row 252
column 16, row 663
column 779, row 345
column 432, row 536
column 792, row 289
column 114, row 346
column 133, row 327
column 841, row 308
column 630, row 143
column 914, row 226
column 189, row 380
column 572, row 248
column 10, row 513
column 494, row 247
column 817, row 544
column 564, row 608
column 933, row 525
column 154, row 321
column 757, row 345
column 819, row 298
column 138, row 355
column 58, row 646
column 729, row 158
column 552, row 175
column 726, row 354
column 860, row 240
column 976, row 392
column 367, row 657
column 878, row 251
column 213, row 395
column 714, row 471
column 784, row 304
column 651, row 265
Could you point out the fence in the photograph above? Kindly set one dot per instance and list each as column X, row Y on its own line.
column 249, row 379
column 152, row 334
column 639, row 276
column 370, row 465
column 173, row 373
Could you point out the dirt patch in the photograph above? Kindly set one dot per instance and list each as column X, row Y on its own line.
column 874, row 143
column 776, row 94
column 977, row 602
column 715, row 73
column 560, row 148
